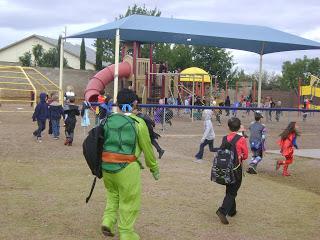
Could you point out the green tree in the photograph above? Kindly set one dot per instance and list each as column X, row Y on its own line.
column 109, row 45
column 99, row 54
column 293, row 71
column 214, row 60
column 37, row 51
column 269, row 80
column 44, row 58
column 25, row 59
column 181, row 57
column 50, row 58
column 83, row 55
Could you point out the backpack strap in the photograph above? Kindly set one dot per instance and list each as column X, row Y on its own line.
column 235, row 139
column 233, row 142
column 91, row 190
column 224, row 142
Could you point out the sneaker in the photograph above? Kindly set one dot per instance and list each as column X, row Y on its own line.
column 232, row 214
column 198, row 160
column 254, row 171
column 222, row 217
column 161, row 152
column 106, row 231
column 251, row 170
column 56, row 138
column 39, row 139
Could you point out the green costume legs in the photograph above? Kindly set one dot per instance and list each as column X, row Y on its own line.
column 123, row 195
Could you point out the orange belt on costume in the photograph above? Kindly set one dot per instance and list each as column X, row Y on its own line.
column 109, row 157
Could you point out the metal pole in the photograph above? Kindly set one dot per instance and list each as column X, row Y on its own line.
column 202, row 87
column 116, row 68
column 151, row 70
column 299, row 94
column 260, row 82
column 164, row 119
column 215, row 85
column 254, row 90
column 192, row 98
column 226, row 88
column 211, row 90
column 61, row 73
column 135, row 66
column 236, row 93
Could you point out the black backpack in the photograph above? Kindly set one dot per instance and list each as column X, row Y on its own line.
column 225, row 164
column 92, row 151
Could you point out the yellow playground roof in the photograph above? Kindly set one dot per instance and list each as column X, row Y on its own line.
column 194, row 74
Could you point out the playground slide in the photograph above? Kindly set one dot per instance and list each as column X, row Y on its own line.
column 99, row 81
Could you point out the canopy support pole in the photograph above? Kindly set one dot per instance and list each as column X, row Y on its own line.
column 260, row 76
column 260, row 82
column 211, row 90
column 116, row 68
column 61, row 73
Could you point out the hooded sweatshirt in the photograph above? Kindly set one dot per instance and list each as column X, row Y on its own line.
column 208, row 128
column 55, row 111
column 41, row 111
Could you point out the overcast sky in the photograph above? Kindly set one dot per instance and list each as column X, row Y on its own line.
column 21, row 18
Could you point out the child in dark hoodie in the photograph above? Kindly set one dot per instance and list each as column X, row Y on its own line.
column 70, row 112
column 55, row 113
column 40, row 115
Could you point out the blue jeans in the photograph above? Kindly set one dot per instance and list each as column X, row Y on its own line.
column 199, row 155
column 256, row 158
column 55, row 127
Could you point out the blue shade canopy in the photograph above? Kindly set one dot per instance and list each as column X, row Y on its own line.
column 251, row 38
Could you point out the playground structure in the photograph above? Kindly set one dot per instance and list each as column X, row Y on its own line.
column 142, row 74
column 18, row 84
column 310, row 91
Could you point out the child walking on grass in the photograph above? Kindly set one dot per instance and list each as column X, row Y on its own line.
column 208, row 135
column 40, row 115
column 256, row 140
column 287, row 144
column 229, row 207
column 55, row 114
column 70, row 112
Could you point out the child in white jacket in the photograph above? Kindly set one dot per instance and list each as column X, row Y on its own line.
column 208, row 135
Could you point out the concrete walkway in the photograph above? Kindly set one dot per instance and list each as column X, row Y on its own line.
column 310, row 153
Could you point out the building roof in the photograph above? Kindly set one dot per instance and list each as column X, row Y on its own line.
column 73, row 49
column 150, row 29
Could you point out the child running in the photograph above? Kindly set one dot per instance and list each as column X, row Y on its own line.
column 208, row 135
column 287, row 144
column 40, row 115
column 55, row 113
column 70, row 111
column 228, row 206
column 256, row 140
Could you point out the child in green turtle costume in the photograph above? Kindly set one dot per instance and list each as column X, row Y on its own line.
column 126, row 136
